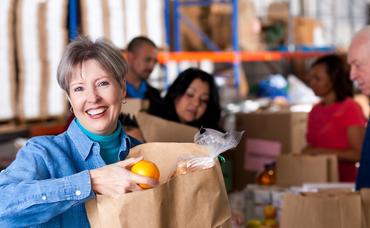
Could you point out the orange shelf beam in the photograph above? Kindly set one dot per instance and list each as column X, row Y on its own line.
column 229, row 56
column 47, row 128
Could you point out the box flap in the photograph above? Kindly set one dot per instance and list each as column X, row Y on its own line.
column 155, row 129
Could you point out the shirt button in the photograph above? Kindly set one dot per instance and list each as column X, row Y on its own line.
column 43, row 197
column 78, row 192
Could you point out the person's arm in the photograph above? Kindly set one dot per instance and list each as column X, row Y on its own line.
column 29, row 196
column 355, row 136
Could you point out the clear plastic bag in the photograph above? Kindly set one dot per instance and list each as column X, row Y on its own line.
column 216, row 143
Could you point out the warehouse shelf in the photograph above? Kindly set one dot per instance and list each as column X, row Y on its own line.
column 48, row 128
column 178, row 17
column 244, row 56
column 234, row 56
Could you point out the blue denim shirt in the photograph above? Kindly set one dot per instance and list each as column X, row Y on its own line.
column 48, row 183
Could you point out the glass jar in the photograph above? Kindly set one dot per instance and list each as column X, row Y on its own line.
column 268, row 175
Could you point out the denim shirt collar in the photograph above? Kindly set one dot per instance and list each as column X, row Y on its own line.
column 84, row 144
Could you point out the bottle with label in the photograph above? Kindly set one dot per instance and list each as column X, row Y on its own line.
column 268, row 175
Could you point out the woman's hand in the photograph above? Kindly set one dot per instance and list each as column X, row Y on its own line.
column 117, row 179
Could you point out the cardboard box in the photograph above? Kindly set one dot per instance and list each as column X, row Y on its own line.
column 249, row 33
column 7, row 64
column 294, row 170
column 305, row 29
column 134, row 105
column 43, row 24
column 322, row 210
column 155, row 129
column 286, row 128
column 8, row 152
column 198, row 16
column 11, row 142
column 278, row 11
column 338, row 208
column 365, row 204
column 259, row 152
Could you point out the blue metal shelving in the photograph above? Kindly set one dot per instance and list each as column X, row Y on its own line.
column 73, row 24
column 73, row 19
column 178, row 18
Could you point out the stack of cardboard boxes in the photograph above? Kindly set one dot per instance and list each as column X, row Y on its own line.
column 282, row 132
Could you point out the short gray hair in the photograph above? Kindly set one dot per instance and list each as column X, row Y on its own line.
column 83, row 49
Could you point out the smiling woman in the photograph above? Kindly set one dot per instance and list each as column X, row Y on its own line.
column 95, row 97
column 53, row 176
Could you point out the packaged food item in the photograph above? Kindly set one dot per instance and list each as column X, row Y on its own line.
column 268, row 175
column 216, row 143
column 270, row 212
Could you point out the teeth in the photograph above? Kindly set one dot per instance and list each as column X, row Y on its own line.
column 95, row 111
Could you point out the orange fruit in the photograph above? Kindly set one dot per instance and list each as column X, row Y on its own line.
column 269, row 211
column 146, row 168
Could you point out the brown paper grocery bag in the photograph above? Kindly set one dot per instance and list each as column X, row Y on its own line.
column 197, row 199
column 155, row 129
column 321, row 210
column 298, row 169
column 365, row 201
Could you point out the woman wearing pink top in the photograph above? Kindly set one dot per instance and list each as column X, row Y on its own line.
column 336, row 124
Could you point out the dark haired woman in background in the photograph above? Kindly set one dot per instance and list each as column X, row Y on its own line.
column 192, row 99
column 336, row 124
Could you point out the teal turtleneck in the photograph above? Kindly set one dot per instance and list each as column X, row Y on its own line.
column 109, row 144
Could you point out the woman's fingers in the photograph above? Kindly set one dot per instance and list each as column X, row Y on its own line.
column 129, row 162
column 143, row 180
column 134, row 187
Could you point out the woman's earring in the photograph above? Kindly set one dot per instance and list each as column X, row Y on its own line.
column 71, row 109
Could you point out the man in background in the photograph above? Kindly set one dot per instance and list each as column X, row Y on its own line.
column 359, row 59
column 141, row 58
